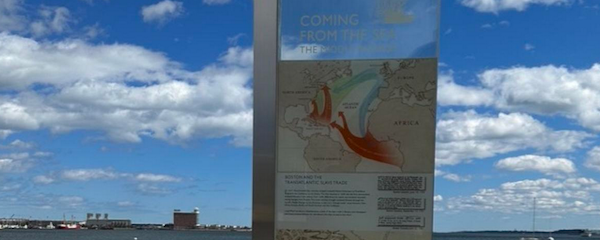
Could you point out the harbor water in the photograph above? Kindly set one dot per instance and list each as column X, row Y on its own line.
column 196, row 235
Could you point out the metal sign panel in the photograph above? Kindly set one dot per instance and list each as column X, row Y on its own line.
column 345, row 147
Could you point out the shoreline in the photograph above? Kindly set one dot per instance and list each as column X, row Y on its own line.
column 129, row 229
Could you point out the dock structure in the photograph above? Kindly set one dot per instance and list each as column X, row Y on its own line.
column 13, row 222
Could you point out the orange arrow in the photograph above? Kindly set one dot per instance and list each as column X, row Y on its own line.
column 325, row 117
column 327, row 109
column 368, row 146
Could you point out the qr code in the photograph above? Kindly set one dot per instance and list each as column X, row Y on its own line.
column 401, row 183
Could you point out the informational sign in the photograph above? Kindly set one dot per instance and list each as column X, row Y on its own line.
column 356, row 105
column 358, row 29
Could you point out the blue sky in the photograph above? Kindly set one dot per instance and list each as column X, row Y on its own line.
column 136, row 108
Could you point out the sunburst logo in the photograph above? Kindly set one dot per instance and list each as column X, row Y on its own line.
column 393, row 12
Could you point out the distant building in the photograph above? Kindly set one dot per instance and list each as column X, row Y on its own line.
column 185, row 220
column 106, row 223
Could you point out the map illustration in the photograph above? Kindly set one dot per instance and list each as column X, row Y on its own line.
column 357, row 116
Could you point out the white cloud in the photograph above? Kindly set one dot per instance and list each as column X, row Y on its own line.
column 216, row 2
column 16, row 162
column 14, row 159
column 8, row 165
column 438, row 203
column 44, row 20
column 150, row 189
column 72, row 201
column 543, row 164
column 571, row 195
column 11, row 18
column 52, row 20
column 91, row 2
column 22, row 145
column 10, row 187
column 238, row 56
column 90, row 88
column 145, row 183
column 148, row 177
column 126, row 204
column 452, row 176
column 593, row 159
column 43, row 180
column 493, row 25
column 162, row 12
column 18, row 145
column 529, row 47
column 235, row 39
column 70, row 61
column 17, row 156
column 547, row 90
column 84, row 175
column 495, row 6
column 88, row 174
column 464, row 136
column 5, row 133
column 42, row 154
column 450, row 93
column 93, row 31
column 15, row 117
column 456, row 178
column 43, row 201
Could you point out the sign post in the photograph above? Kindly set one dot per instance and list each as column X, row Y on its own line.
column 344, row 132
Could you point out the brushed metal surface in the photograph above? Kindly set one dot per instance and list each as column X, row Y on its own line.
column 265, row 73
